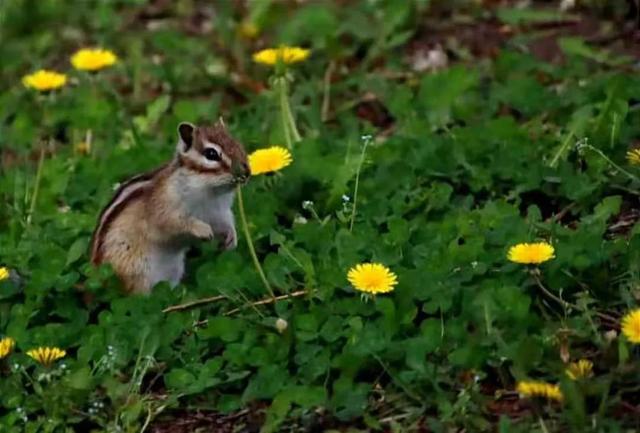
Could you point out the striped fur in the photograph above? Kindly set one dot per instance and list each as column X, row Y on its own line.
column 126, row 192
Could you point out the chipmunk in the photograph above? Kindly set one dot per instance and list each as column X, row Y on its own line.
column 146, row 228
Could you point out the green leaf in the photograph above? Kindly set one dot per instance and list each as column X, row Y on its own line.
column 269, row 380
column 517, row 16
column 225, row 328
column 157, row 108
column 440, row 92
column 578, row 47
column 277, row 412
column 76, row 250
column 79, row 379
column 608, row 207
column 179, row 379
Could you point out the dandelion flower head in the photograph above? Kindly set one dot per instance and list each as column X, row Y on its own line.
column 46, row 355
column 93, row 59
column 44, row 80
column 540, row 389
column 633, row 156
column 579, row 370
column 372, row 278
column 4, row 273
column 269, row 160
column 631, row 326
column 6, row 346
column 535, row 253
column 284, row 54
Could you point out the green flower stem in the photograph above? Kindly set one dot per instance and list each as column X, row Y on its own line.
column 252, row 250
column 563, row 148
column 36, row 187
column 613, row 164
column 45, row 100
column 535, row 273
column 355, row 192
column 289, row 127
column 292, row 122
column 282, row 98
column 543, row 426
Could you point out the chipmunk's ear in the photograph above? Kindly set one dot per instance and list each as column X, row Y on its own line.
column 221, row 122
column 186, row 134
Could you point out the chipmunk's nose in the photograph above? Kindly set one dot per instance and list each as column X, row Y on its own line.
column 240, row 171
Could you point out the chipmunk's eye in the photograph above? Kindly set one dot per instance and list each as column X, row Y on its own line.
column 211, row 154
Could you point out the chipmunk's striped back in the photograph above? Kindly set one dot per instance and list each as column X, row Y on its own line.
column 128, row 191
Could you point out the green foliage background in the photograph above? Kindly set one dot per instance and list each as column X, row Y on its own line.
column 482, row 155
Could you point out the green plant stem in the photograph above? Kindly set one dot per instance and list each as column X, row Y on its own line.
column 252, row 250
column 409, row 392
column 287, row 120
column 326, row 97
column 36, row 187
column 613, row 164
column 355, row 190
column 248, row 302
column 282, row 98
column 565, row 304
column 563, row 148
column 543, row 426
column 292, row 122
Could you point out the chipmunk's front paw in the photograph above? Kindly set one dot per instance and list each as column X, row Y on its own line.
column 202, row 230
column 229, row 239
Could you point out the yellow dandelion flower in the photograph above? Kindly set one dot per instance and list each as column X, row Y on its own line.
column 6, row 346
column 633, row 157
column 93, row 59
column 284, row 54
column 44, row 80
column 528, row 254
column 540, row 389
column 372, row 278
column 631, row 326
column 4, row 273
column 580, row 370
column 46, row 355
column 268, row 160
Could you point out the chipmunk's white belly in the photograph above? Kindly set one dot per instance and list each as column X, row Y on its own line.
column 166, row 264
column 212, row 207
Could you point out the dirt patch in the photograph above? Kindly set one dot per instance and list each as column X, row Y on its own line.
column 463, row 38
column 201, row 421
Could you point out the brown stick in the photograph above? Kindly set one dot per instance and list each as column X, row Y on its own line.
column 557, row 217
column 195, row 303
column 261, row 302
column 267, row 301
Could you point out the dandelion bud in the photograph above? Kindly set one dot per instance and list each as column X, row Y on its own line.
column 281, row 325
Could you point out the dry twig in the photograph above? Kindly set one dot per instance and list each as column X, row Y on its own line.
column 197, row 302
